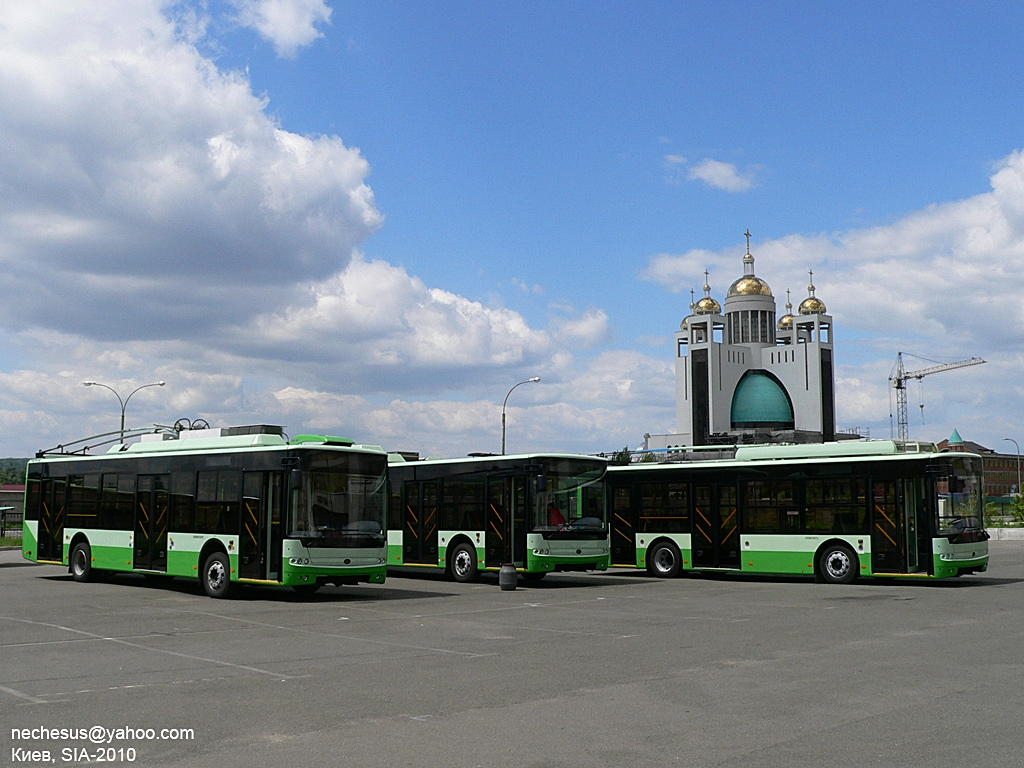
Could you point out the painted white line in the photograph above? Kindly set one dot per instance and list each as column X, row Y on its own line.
column 179, row 655
column 20, row 695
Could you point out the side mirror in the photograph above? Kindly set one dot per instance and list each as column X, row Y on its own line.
column 542, row 483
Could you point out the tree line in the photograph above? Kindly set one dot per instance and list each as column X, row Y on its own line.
column 12, row 471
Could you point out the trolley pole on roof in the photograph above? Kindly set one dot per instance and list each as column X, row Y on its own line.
column 123, row 402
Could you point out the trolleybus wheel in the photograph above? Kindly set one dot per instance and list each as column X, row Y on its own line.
column 664, row 560
column 216, row 575
column 306, row 590
column 463, row 563
column 534, row 577
column 838, row 564
column 81, row 562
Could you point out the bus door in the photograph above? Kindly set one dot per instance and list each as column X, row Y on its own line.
column 419, row 530
column 520, row 520
column 497, row 521
column 51, row 520
column 913, row 502
column 623, row 525
column 899, row 520
column 716, row 534
column 888, row 529
column 151, row 508
column 507, row 521
column 259, row 541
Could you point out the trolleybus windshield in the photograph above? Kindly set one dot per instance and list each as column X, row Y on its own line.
column 960, row 497
column 570, row 499
column 342, row 501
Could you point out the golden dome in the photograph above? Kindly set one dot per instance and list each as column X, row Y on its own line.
column 708, row 306
column 785, row 322
column 812, row 305
column 683, row 325
column 748, row 285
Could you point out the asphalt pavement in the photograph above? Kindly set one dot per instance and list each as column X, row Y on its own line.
column 604, row 669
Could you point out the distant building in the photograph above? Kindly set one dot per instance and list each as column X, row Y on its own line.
column 1001, row 469
column 12, row 496
column 743, row 377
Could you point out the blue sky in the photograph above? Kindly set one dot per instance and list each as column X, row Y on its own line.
column 373, row 218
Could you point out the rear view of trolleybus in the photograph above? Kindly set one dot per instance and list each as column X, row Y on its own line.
column 834, row 510
column 540, row 512
column 240, row 504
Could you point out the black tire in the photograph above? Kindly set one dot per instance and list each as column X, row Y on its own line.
column 664, row 560
column 838, row 564
column 462, row 563
column 306, row 590
column 216, row 575
column 534, row 577
column 81, row 562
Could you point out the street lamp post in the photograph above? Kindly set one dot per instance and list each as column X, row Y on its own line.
column 528, row 381
column 507, row 576
column 1010, row 439
column 123, row 402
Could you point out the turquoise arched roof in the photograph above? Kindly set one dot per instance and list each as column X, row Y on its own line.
column 760, row 401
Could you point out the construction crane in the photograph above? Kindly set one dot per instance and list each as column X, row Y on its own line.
column 899, row 376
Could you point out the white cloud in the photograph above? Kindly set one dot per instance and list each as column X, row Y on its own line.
column 586, row 330
column 287, row 24
column 144, row 180
column 724, row 176
column 920, row 277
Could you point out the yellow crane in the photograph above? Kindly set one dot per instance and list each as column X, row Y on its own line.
column 899, row 376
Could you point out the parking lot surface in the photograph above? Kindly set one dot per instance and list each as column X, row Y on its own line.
column 613, row 669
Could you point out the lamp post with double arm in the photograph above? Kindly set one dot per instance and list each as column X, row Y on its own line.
column 124, row 401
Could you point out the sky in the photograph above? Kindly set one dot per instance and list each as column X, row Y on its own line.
column 374, row 218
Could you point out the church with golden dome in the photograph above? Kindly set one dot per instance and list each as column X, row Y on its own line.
column 743, row 376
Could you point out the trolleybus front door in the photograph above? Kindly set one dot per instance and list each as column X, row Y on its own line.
column 507, row 522
column 623, row 526
column 888, row 525
column 150, row 537
column 419, row 530
column 496, row 523
column 520, row 519
column 896, row 529
column 716, row 535
column 261, row 526
column 50, row 545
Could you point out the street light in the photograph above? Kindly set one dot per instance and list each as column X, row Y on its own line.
column 528, row 381
column 1018, row 462
column 124, row 402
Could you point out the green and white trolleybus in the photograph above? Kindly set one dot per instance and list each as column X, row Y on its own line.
column 835, row 510
column 540, row 512
column 239, row 504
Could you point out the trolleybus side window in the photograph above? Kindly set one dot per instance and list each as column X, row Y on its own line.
column 217, row 498
column 183, row 499
column 83, row 495
column 664, row 507
column 770, row 507
column 836, row 505
column 462, row 504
